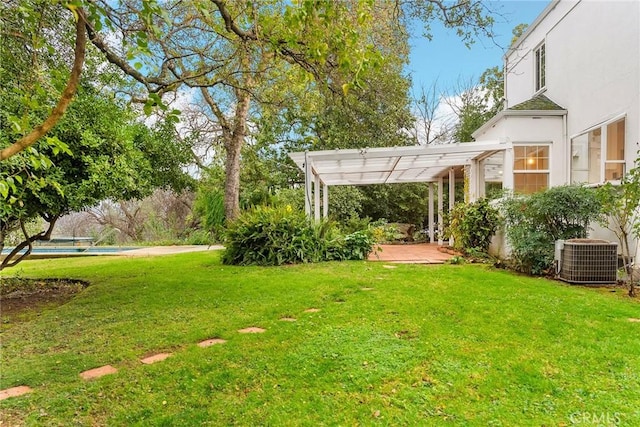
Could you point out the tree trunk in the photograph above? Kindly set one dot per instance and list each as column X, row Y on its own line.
column 233, row 148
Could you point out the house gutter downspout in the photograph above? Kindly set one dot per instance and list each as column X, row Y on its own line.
column 567, row 145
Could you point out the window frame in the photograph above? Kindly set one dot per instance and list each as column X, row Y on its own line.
column 603, row 127
column 540, row 67
column 547, row 171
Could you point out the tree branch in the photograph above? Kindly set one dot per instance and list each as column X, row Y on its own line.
column 9, row 260
column 65, row 99
column 230, row 24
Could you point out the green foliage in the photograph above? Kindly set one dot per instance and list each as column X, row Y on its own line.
column 535, row 222
column 280, row 235
column 620, row 205
column 272, row 236
column 110, row 156
column 209, row 208
column 473, row 224
column 345, row 203
column 293, row 197
column 404, row 203
column 355, row 246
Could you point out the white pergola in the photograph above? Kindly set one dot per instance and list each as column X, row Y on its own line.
column 392, row 165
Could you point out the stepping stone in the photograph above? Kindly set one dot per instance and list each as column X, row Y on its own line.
column 287, row 319
column 251, row 330
column 312, row 310
column 14, row 391
column 634, row 320
column 389, row 266
column 155, row 358
column 210, row 342
column 98, row 372
column 366, row 289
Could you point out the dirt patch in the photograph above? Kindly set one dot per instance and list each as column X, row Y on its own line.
column 21, row 296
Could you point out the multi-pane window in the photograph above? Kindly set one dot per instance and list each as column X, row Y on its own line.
column 530, row 168
column 539, row 54
column 588, row 165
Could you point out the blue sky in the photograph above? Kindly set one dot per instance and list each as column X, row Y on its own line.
column 447, row 59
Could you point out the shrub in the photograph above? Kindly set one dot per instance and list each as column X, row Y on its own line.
column 354, row 246
column 282, row 235
column 535, row 222
column 473, row 224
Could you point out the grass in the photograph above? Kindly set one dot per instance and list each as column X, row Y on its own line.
column 430, row 345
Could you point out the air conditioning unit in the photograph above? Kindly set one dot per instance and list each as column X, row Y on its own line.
column 587, row 261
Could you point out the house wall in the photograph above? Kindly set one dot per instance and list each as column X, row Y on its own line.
column 532, row 130
column 592, row 65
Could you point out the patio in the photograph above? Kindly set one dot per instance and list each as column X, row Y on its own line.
column 420, row 253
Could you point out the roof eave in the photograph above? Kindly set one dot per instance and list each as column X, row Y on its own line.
column 516, row 113
column 514, row 46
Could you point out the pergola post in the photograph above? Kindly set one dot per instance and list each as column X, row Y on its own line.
column 452, row 196
column 325, row 200
column 440, row 210
column 507, row 170
column 471, row 179
column 307, row 184
column 480, row 184
column 430, row 212
column 316, row 197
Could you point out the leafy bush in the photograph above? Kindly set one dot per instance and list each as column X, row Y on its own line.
column 535, row 222
column 282, row 235
column 354, row 246
column 345, row 203
column 473, row 224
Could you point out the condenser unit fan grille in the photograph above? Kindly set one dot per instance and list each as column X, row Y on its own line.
column 589, row 261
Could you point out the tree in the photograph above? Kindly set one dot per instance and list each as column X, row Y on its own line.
column 109, row 156
column 26, row 26
column 228, row 51
column 468, row 104
column 620, row 205
column 431, row 126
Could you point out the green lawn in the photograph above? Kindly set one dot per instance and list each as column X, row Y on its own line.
column 430, row 345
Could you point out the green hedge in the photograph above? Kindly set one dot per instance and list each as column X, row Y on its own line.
column 536, row 221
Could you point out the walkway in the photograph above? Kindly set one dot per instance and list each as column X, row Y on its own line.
column 169, row 250
column 421, row 253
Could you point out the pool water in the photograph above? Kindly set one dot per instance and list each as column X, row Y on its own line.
column 37, row 250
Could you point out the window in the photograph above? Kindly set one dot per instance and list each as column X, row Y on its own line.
column 587, row 163
column 539, row 54
column 530, row 168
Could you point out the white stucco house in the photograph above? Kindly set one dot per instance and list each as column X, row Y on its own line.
column 571, row 115
column 572, row 98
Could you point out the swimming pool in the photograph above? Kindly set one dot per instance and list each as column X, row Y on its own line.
column 44, row 251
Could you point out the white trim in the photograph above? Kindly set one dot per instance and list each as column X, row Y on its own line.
column 547, row 171
column 540, row 72
column 601, row 124
column 517, row 113
column 603, row 149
